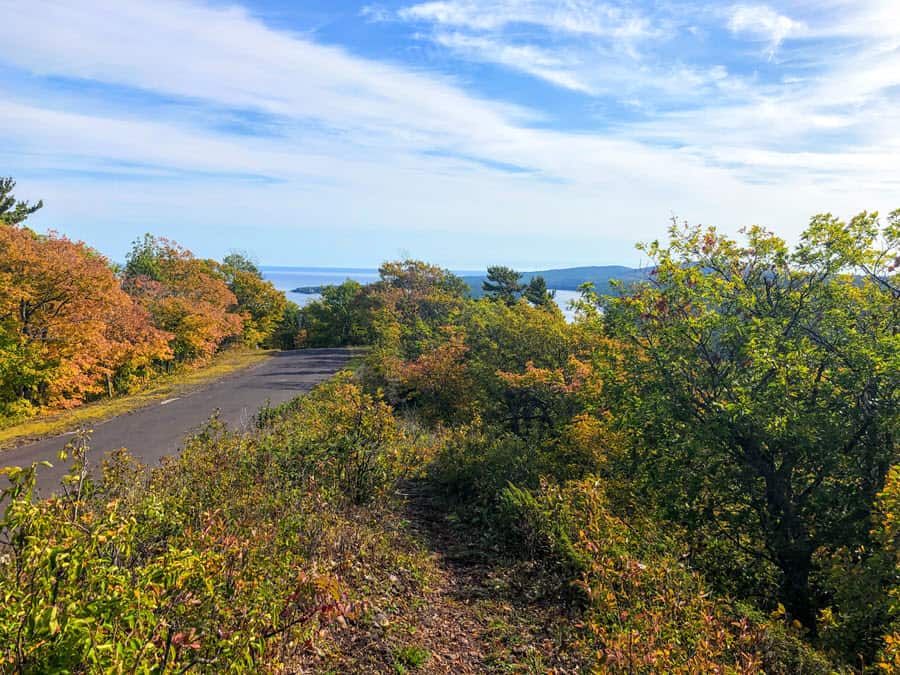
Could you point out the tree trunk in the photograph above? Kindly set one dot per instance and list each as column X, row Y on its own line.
column 796, row 565
column 791, row 544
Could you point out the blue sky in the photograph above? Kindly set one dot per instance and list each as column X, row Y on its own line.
column 525, row 132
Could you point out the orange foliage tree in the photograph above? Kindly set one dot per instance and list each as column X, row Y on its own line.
column 186, row 296
column 66, row 326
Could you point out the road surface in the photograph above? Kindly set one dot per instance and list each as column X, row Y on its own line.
column 158, row 429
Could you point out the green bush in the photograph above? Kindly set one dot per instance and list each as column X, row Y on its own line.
column 229, row 558
column 344, row 438
column 645, row 611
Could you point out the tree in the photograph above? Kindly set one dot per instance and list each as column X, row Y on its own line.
column 186, row 296
column 510, row 349
column 502, row 283
column 14, row 212
column 537, row 294
column 432, row 288
column 144, row 259
column 261, row 305
column 338, row 318
column 411, row 302
column 242, row 262
column 66, row 326
column 133, row 346
column 287, row 333
column 762, row 395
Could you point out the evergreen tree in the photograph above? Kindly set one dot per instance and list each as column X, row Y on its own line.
column 502, row 283
column 537, row 294
column 13, row 212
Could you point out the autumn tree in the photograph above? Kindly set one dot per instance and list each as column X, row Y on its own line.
column 762, row 396
column 503, row 283
column 437, row 384
column 259, row 303
column 417, row 288
column 133, row 347
column 186, row 296
column 413, row 300
column 66, row 326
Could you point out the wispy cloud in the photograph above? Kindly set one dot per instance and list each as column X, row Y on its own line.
column 600, row 49
column 572, row 16
column 764, row 23
column 302, row 133
column 541, row 63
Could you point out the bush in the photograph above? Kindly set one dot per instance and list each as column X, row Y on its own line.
column 644, row 610
column 230, row 558
column 346, row 439
column 476, row 461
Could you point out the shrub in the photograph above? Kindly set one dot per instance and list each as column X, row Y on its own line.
column 226, row 559
column 644, row 609
column 346, row 438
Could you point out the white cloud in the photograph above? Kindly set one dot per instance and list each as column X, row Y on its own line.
column 529, row 59
column 571, row 16
column 376, row 13
column 228, row 57
column 764, row 23
column 364, row 144
column 594, row 48
column 870, row 19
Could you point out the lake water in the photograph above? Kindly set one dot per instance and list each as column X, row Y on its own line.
column 286, row 279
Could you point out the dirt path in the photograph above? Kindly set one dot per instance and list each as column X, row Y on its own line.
column 441, row 598
column 457, row 620
column 488, row 613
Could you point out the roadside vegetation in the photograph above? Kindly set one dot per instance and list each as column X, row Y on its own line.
column 179, row 382
column 75, row 328
column 697, row 475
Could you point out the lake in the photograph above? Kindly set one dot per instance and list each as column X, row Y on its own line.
column 286, row 279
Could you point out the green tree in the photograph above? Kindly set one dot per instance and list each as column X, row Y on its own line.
column 242, row 262
column 287, row 331
column 13, row 212
column 338, row 318
column 762, row 395
column 258, row 301
column 144, row 258
column 503, row 283
column 537, row 294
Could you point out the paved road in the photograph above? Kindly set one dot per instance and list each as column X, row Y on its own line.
column 158, row 429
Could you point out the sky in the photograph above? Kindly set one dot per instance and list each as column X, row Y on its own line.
column 532, row 133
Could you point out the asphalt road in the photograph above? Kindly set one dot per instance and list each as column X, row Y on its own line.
column 158, row 429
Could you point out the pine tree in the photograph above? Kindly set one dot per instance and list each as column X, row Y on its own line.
column 13, row 212
column 537, row 294
column 502, row 283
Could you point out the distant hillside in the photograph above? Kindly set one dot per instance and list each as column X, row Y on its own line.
column 571, row 278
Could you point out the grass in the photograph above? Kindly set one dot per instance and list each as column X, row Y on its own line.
column 410, row 658
column 166, row 386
